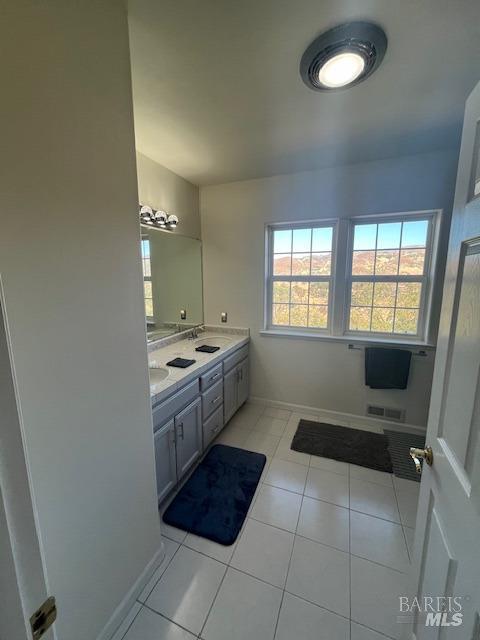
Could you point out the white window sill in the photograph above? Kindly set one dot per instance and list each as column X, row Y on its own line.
column 367, row 340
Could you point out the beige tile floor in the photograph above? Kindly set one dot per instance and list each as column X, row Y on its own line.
column 323, row 554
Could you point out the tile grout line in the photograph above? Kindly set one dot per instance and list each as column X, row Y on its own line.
column 401, row 522
column 380, row 633
column 213, row 602
column 162, row 615
column 371, row 515
column 168, row 564
column 288, row 569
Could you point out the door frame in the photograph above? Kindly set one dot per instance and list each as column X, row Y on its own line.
column 23, row 582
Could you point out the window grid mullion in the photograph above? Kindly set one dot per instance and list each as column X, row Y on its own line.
column 308, row 294
column 301, row 278
column 395, row 307
column 398, row 270
column 291, row 265
column 397, row 278
column 375, row 273
column 309, row 282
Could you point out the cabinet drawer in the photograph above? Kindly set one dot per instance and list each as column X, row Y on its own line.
column 172, row 405
column 212, row 399
column 235, row 358
column 212, row 427
column 209, row 378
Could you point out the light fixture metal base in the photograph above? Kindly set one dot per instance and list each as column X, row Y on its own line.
column 366, row 39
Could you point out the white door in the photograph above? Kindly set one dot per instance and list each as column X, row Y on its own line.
column 447, row 539
column 22, row 580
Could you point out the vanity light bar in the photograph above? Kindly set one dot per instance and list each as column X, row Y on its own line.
column 158, row 219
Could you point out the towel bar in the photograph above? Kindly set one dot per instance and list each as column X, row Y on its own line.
column 422, row 353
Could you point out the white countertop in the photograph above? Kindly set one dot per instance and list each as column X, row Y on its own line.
column 185, row 348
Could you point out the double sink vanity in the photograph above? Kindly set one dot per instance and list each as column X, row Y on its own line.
column 190, row 406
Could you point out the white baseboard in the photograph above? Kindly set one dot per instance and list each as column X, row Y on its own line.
column 349, row 419
column 130, row 598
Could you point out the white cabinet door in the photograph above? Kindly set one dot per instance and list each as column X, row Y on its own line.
column 243, row 383
column 165, row 462
column 188, row 436
column 230, row 394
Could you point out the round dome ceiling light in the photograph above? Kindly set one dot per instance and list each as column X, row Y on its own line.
column 343, row 56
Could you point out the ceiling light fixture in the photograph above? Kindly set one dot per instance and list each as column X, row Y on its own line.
column 158, row 219
column 343, row 56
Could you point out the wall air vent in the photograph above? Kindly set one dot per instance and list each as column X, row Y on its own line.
column 397, row 415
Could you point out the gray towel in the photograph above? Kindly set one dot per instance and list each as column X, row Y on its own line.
column 387, row 368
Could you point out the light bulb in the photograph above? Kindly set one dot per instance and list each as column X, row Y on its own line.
column 341, row 69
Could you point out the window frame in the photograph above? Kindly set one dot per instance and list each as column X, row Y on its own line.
column 150, row 319
column 270, row 278
column 340, row 280
column 427, row 278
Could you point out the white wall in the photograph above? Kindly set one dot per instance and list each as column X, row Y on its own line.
column 160, row 188
column 318, row 374
column 73, row 297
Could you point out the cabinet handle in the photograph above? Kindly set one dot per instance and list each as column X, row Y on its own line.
column 215, row 400
column 180, row 426
column 214, row 377
column 216, row 429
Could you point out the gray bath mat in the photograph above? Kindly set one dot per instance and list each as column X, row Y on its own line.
column 364, row 448
column 399, row 444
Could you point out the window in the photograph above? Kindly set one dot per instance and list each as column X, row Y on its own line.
column 388, row 276
column 364, row 277
column 147, row 277
column 300, row 276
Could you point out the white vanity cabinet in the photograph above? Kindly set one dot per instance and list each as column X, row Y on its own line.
column 187, row 421
column 178, row 444
column 177, row 427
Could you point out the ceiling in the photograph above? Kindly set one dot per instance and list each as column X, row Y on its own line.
column 218, row 95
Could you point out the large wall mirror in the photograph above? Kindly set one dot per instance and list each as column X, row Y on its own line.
column 172, row 274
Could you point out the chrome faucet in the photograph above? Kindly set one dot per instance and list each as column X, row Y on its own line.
column 193, row 333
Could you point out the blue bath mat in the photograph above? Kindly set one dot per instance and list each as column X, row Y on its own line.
column 214, row 501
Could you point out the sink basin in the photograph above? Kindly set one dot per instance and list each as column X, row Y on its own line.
column 157, row 375
column 213, row 341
